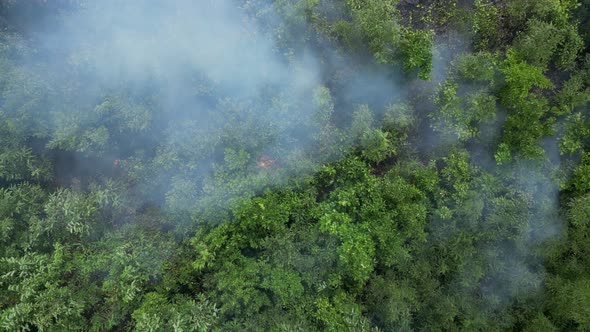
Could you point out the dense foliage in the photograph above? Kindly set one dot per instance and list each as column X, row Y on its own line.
column 286, row 165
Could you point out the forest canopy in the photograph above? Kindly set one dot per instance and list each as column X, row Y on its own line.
column 295, row 165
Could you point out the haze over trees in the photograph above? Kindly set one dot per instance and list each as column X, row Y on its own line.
column 288, row 165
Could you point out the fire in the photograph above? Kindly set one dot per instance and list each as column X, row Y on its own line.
column 266, row 162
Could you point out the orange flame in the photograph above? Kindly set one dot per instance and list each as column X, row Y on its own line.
column 266, row 162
